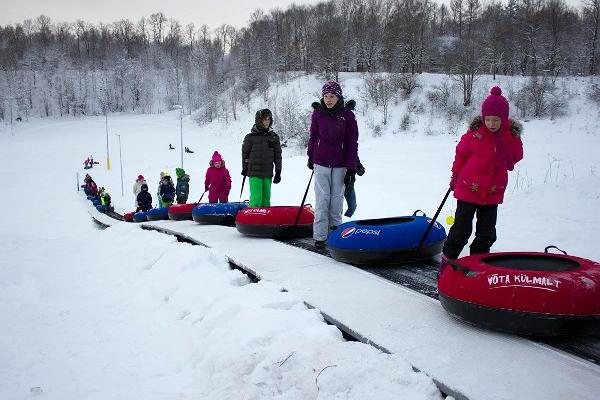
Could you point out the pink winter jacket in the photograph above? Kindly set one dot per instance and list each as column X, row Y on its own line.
column 217, row 181
column 483, row 159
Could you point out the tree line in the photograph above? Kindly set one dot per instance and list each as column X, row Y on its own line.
column 73, row 69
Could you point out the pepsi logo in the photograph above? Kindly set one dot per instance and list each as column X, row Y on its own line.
column 348, row 232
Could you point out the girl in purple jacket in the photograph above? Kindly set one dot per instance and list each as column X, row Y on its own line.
column 332, row 154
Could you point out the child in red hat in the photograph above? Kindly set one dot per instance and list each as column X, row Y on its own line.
column 218, row 180
column 490, row 148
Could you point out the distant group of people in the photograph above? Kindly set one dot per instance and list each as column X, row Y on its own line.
column 89, row 163
column 90, row 188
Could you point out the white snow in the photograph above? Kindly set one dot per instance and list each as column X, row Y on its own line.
column 126, row 313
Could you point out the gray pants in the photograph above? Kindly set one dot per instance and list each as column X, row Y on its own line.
column 329, row 195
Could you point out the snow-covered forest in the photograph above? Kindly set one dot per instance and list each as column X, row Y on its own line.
column 57, row 69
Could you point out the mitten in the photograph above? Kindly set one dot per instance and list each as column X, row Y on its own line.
column 277, row 178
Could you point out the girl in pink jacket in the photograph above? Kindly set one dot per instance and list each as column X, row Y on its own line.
column 490, row 148
column 218, row 181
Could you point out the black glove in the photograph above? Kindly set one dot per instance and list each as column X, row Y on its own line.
column 350, row 178
column 277, row 178
column 244, row 172
column 310, row 163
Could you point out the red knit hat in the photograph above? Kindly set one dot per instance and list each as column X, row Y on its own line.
column 495, row 105
column 216, row 157
column 140, row 178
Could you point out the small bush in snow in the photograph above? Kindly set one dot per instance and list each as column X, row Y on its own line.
column 539, row 98
column 407, row 83
column 593, row 92
column 405, row 123
column 377, row 131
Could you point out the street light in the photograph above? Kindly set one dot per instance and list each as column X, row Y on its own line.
column 120, row 164
column 105, row 107
column 180, row 108
column 10, row 102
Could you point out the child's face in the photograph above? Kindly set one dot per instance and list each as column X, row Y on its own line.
column 330, row 99
column 266, row 121
column 493, row 123
column 217, row 164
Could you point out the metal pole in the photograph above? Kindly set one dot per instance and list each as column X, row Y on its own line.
column 77, row 177
column 107, row 155
column 181, row 135
column 12, row 132
column 121, row 165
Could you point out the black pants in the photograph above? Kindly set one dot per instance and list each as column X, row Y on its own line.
column 485, row 229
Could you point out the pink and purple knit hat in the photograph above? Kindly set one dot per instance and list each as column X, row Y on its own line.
column 495, row 105
column 332, row 87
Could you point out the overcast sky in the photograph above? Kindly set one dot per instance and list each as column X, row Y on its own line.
column 212, row 13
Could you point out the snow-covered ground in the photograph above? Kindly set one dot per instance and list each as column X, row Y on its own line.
column 126, row 313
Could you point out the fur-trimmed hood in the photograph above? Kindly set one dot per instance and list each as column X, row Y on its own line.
column 350, row 104
column 516, row 127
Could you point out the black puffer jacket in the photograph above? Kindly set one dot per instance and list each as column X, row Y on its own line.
column 261, row 149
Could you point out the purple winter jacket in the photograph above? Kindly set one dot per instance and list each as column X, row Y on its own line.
column 333, row 139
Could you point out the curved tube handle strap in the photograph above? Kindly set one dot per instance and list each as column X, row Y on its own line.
column 423, row 212
column 458, row 267
column 554, row 247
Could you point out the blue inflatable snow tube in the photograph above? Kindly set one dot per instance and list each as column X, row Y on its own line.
column 101, row 208
column 386, row 240
column 96, row 202
column 157, row 214
column 140, row 216
column 217, row 213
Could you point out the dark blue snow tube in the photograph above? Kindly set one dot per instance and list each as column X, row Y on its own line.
column 157, row 214
column 90, row 197
column 217, row 213
column 140, row 216
column 101, row 208
column 95, row 201
column 386, row 240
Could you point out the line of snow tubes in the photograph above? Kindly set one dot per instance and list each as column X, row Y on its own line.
column 157, row 214
column 528, row 293
column 140, row 216
column 276, row 221
column 217, row 213
column 128, row 216
column 386, row 241
column 181, row 212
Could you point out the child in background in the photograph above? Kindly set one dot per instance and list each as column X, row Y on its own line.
column 137, row 188
column 166, row 191
column 490, row 148
column 183, row 186
column 349, row 193
column 218, row 180
column 261, row 151
column 144, row 199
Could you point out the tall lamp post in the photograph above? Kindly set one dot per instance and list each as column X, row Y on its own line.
column 180, row 108
column 120, row 164
column 105, row 106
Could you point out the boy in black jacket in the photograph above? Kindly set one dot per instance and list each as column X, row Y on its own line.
column 144, row 199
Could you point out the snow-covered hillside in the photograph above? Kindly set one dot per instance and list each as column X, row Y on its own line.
column 124, row 313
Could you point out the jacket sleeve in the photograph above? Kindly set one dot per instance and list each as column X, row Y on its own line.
column 246, row 149
column 277, row 151
column 351, row 142
column 227, row 181
column 207, row 178
column 463, row 151
column 313, row 135
column 515, row 152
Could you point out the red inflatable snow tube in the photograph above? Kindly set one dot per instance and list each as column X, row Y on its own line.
column 128, row 217
column 276, row 222
column 181, row 212
column 536, row 294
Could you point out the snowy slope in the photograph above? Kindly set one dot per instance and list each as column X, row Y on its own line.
column 118, row 313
